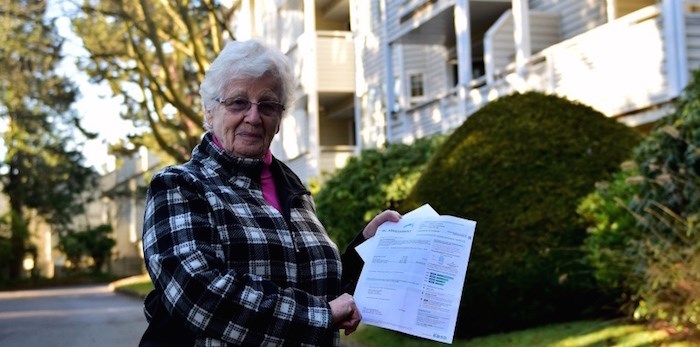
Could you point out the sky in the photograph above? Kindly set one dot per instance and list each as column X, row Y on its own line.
column 96, row 106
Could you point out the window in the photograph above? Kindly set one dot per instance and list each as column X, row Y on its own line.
column 416, row 86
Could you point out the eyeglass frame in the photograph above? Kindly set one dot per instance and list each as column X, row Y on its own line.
column 278, row 113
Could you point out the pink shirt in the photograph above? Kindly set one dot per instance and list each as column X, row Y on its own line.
column 268, row 183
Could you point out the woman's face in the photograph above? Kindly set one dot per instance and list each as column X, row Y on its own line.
column 247, row 131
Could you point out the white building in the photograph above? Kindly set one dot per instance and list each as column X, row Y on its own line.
column 318, row 134
column 625, row 58
column 119, row 201
column 378, row 71
column 122, row 204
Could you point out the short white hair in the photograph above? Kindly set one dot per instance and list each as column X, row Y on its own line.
column 243, row 60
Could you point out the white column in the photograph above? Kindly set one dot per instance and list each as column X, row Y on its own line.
column 311, row 86
column 676, row 52
column 464, row 54
column 359, row 33
column 521, row 35
column 612, row 10
column 246, row 21
column 402, row 93
column 388, row 72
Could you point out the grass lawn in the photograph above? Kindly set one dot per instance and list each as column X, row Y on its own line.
column 574, row 334
column 138, row 286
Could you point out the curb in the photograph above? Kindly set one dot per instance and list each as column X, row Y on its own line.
column 129, row 280
column 115, row 286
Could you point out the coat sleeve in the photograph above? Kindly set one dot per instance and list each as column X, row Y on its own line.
column 183, row 256
column 352, row 265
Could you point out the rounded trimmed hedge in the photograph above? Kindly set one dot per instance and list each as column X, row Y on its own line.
column 519, row 167
column 373, row 181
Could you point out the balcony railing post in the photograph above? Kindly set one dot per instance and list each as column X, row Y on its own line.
column 673, row 19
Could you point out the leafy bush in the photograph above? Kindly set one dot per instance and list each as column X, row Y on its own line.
column 375, row 180
column 519, row 167
column 668, row 211
column 94, row 243
column 612, row 244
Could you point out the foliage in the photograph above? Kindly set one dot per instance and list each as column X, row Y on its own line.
column 94, row 243
column 656, row 235
column 519, row 167
column 153, row 54
column 611, row 245
column 5, row 244
column 668, row 211
column 42, row 169
column 373, row 181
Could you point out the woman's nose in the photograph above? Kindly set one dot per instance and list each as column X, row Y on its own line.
column 252, row 114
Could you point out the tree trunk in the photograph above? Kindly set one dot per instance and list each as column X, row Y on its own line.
column 18, row 228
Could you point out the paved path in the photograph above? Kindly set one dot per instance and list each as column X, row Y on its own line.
column 73, row 317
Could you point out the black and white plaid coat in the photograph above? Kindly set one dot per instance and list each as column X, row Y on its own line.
column 228, row 268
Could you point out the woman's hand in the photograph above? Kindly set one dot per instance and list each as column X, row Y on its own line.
column 387, row 215
column 345, row 313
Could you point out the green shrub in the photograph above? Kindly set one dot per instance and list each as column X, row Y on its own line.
column 612, row 245
column 668, row 211
column 375, row 180
column 661, row 247
column 94, row 243
column 519, row 167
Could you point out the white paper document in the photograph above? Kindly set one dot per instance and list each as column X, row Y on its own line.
column 366, row 248
column 413, row 278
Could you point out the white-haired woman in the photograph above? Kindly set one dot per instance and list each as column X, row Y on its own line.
column 231, row 240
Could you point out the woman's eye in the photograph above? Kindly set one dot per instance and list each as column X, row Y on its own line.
column 240, row 103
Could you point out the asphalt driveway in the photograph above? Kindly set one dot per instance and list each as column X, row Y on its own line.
column 76, row 316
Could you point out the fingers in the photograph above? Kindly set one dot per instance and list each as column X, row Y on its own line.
column 385, row 216
column 341, row 307
column 352, row 321
column 345, row 313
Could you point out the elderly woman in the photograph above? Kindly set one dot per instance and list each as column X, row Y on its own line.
column 231, row 239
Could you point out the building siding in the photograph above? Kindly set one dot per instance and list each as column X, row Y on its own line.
column 405, row 16
column 544, row 30
column 291, row 24
column 576, row 16
column 336, row 62
column 692, row 28
column 366, row 19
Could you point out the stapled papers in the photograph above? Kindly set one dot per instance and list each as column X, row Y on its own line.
column 414, row 273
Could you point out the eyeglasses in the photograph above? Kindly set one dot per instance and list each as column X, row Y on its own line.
column 266, row 108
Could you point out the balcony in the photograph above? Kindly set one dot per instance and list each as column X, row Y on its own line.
column 623, row 68
column 335, row 59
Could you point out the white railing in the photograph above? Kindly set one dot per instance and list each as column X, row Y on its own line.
column 617, row 68
column 335, row 61
column 438, row 115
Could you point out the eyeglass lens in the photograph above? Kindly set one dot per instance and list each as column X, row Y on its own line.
column 267, row 108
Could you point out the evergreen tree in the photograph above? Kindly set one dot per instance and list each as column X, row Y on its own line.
column 39, row 172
